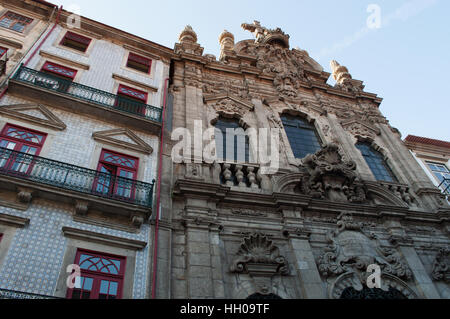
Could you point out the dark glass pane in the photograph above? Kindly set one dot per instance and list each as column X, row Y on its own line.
column 376, row 163
column 237, row 145
column 301, row 135
column 86, row 295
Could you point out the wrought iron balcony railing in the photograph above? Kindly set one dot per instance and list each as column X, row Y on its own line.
column 13, row 294
column 86, row 93
column 75, row 178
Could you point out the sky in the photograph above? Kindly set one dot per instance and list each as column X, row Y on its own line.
column 404, row 59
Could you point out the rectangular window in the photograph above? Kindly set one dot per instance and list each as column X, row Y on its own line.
column 59, row 70
column 75, row 41
column 131, row 100
column 19, row 139
column 117, row 175
column 442, row 174
column 58, row 77
column 101, row 277
column 14, row 21
column 139, row 63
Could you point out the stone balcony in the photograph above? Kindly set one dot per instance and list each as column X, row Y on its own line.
column 51, row 90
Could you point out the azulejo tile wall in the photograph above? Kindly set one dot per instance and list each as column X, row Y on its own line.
column 34, row 259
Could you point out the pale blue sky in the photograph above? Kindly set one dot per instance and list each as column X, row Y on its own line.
column 406, row 61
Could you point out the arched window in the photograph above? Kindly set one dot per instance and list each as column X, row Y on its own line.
column 233, row 146
column 301, row 135
column 376, row 162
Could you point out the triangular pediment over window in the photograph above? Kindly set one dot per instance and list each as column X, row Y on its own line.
column 33, row 113
column 229, row 104
column 123, row 138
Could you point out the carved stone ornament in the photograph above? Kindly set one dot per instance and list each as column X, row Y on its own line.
column 258, row 256
column 343, row 78
column 441, row 266
column 229, row 105
column 328, row 176
column 361, row 129
column 352, row 249
column 274, row 58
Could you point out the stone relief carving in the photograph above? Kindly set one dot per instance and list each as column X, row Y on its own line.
column 328, row 176
column 441, row 265
column 258, row 255
column 352, row 249
column 344, row 80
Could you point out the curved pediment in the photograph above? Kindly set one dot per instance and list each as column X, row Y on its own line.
column 228, row 104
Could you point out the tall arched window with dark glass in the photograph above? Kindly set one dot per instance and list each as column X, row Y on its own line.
column 301, row 135
column 233, row 146
column 376, row 163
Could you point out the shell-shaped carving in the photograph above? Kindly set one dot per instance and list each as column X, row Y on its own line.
column 258, row 249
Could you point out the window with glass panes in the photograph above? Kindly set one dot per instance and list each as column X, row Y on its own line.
column 237, row 145
column 101, row 277
column 301, row 134
column 139, row 63
column 19, row 139
column 118, row 173
column 442, row 173
column 376, row 163
column 14, row 21
column 75, row 41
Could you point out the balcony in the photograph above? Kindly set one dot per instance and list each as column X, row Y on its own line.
column 72, row 182
column 13, row 294
column 31, row 83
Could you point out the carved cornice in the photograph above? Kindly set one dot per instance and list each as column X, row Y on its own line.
column 104, row 238
column 14, row 221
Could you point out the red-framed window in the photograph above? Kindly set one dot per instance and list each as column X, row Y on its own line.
column 131, row 99
column 75, row 41
column 14, row 21
column 59, row 70
column 139, row 63
column 102, row 276
column 3, row 52
column 22, row 140
column 119, row 172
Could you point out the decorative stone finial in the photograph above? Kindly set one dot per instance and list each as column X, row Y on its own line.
column 226, row 40
column 188, row 35
column 340, row 73
column 264, row 35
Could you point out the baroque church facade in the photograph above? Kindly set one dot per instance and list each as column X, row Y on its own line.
column 347, row 194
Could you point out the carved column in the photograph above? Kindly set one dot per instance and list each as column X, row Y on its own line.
column 404, row 245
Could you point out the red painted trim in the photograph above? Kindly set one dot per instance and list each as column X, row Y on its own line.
column 158, row 193
column 121, row 86
column 76, row 38
column 102, row 154
column 141, row 60
column 5, row 128
column 99, row 276
column 428, row 141
column 45, row 38
column 46, row 65
column 6, row 51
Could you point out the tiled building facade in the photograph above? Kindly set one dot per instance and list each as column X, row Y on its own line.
column 85, row 106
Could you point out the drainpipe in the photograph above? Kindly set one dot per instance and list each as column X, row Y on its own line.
column 158, row 193
column 34, row 52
